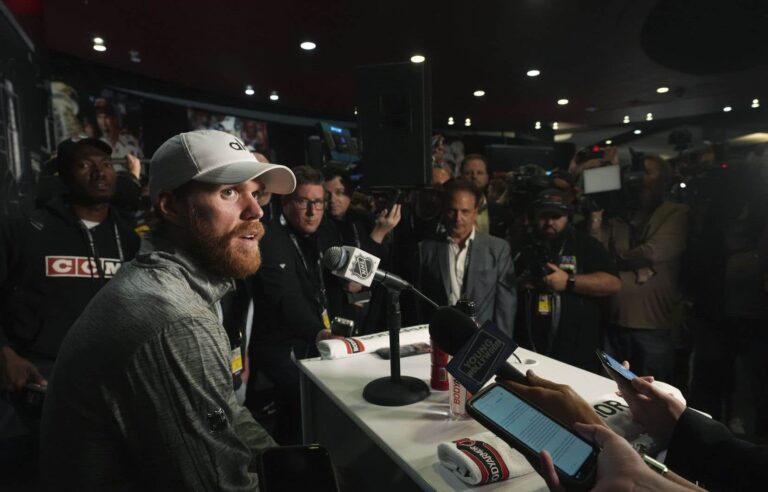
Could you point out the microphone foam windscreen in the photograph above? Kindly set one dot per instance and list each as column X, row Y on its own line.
column 334, row 258
column 450, row 329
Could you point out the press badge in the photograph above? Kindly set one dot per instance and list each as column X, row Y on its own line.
column 545, row 304
column 236, row 361
column 326, row 319
column 568, row 263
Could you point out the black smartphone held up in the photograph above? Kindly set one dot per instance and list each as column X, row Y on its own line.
column 292, row 468
column 528, row 429
column 392, row 200
column 612, row 365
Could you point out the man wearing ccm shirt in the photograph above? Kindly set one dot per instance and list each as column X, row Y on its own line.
column 55, row 261
column 142, row 397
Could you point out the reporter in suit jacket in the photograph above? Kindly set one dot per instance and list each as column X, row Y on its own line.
column 467, row 264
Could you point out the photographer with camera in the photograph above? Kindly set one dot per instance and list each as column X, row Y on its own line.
column 564, row 273
column 647, row 242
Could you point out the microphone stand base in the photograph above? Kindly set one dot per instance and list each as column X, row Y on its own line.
column 389, row 393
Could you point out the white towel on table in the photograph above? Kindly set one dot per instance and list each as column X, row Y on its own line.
column 346, row 347
column 482, row 459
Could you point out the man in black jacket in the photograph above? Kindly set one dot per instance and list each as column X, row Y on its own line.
column 54, row 262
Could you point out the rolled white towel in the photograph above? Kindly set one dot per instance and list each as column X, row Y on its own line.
column 482, row 459
column 346, row 347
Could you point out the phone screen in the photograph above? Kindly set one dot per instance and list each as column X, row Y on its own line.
column 534, row 429
column 614, row 364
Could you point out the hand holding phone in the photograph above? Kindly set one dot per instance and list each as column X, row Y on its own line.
column 612, row 366
column 527, row 428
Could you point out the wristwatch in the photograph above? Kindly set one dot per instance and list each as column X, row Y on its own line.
column 570, row 285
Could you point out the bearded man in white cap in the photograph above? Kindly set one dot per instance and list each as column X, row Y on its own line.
column 141, row 397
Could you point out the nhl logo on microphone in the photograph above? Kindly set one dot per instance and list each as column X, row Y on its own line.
column 362, row 267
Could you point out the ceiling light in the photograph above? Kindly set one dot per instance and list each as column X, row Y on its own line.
column 727, row 109
column 418, row 59
column 626, row 119
column 638, row 131
column 562, row 102
column 538, row 125
column 755, row 103
column 662, row 90
column 99, row 47
column 98, row 40
column 249, row 90
column 555, row 126
column 273, row 96
column 682, row 185
column 608, row 142
column 450, row 121
column 355, row 111
column 480, row 93
column 649, row 117
column 533, row 73
column 468, row 122
column 308, row 45
column 135, row 56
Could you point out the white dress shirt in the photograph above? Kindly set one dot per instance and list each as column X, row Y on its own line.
column 457, row 263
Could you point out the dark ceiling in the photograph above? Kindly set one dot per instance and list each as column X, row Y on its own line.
column 606, row 56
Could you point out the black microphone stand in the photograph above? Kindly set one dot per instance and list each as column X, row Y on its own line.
column 396, row 390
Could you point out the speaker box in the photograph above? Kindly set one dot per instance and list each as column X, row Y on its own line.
column 395, row 119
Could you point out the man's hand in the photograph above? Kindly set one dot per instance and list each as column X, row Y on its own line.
column 385, row 222
column 656, row 411
column 558, row 400
column 326, row 335
column 133, row 164
column 557, row 280
column 17, row 371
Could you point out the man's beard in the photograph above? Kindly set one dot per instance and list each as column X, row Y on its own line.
column 222, row 255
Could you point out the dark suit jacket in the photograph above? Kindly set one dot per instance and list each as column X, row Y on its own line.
column 490, row 279
column 705, row 450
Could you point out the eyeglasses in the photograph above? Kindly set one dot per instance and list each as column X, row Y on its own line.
column 304, row 203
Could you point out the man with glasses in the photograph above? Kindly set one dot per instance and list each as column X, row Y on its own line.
column 291, row 294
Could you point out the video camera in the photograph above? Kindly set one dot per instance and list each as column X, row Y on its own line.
column 531, row 263
column 614, row 189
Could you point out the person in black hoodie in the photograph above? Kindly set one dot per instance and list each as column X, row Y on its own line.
column 54, row 261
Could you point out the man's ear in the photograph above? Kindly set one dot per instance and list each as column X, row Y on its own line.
column 171, row 208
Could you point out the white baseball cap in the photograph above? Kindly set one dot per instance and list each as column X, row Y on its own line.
column 211, row 156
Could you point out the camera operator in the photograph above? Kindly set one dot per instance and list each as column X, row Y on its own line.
column 647, row 242
column 564, row 273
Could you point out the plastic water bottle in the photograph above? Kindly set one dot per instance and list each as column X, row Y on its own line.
column 458, row 393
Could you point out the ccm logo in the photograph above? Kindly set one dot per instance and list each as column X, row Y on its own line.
column 79, row 266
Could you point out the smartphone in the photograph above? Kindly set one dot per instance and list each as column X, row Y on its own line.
column 612, row 365
column 292, row 468
column 528, row 429
column 393, row 200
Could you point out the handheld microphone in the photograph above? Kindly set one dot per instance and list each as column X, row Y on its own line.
column 451, row 330
column 356, row 265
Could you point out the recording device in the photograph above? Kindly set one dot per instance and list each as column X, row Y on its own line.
column 356, row 265
column 527, row 428
column 393, row 200
column 612, row 366
column 342, row 327
column 451, row 330
column 531, row 263
column 405, row 350
column 291, row 468
column 33, row 397
column 589, row 153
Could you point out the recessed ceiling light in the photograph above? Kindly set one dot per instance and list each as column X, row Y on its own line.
column 450, row 121
column 99, row 47
column 755, row 103
column 533, row 72
column 538, row 125
column 682, row 185
column 562, row 102
column 249, row 90
column 98, row 40
column 662, row 90
column 468, row 122
column 273, row 96
column 135, row 56
column 626, row 119
column 479, row 93
column 418, row 59
column 638, row 131
column 727, row 109
column 308, row 45
column 555, row 126
column 355, row 110
column 608, row 142
column 649, row 117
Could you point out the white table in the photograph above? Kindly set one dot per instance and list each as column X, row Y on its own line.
column 395, row 448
